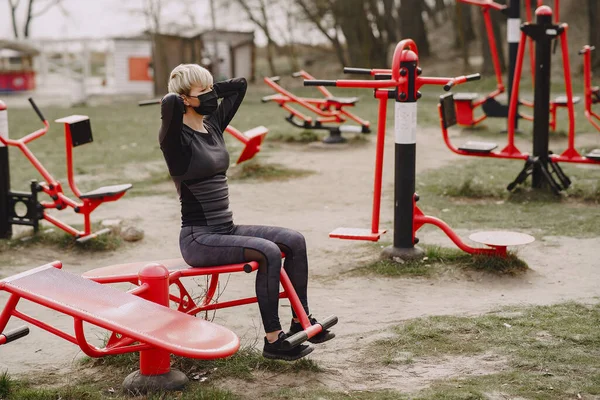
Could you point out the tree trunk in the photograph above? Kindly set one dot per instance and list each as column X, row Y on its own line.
column 594, row 31
column 363, row 48
column 412, row 25
column 463, row 25
column 29, row 18
column 316, row 19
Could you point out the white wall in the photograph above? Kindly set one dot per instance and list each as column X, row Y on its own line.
column 123, row 50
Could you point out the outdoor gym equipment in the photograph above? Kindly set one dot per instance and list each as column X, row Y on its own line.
column 78, row 131
column 592, row 93
column 139, row 321
column 402, row 83
column 330, row 110
column 135, row 323
column 541, row 165
column 251, row 139
column 467, row 103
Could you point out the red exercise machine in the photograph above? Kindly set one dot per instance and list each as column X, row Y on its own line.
column 402, row 83
column 592, row 93
column 78, row 131
column 135, row 322
column 329, row 110
column 251, row 139
column 140, row 321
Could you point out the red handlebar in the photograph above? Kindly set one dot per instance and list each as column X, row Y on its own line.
column 485, row 4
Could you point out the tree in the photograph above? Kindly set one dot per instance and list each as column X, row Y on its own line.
column 320, row 14
column 35, row 8
column 412, row 25
column 594, row 30
column 256, row 11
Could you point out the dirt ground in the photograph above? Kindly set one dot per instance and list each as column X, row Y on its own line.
column 339, row 194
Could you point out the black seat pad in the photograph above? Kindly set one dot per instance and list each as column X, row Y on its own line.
column 106, row 191
column 478, row 147
column 343, row 100
column 594, row 155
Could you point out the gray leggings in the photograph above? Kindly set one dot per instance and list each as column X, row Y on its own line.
column 205, row 246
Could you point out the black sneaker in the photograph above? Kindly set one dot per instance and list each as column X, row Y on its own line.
column 274, row 350
column 321, row 337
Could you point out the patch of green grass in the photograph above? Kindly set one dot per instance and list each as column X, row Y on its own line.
column 551, row 351
column 254, row 170
column 57, row 238
column 240, row 365
column 5, row 385
column 438, row 259
column 472, row 195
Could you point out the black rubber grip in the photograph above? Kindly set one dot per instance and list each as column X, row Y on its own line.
column 329, row 322
column 448, row 86
column 295, row 340
column 16, row 334
column 316, row 82
column 37, row 110
column 361, row 71
column 473, row 77
column 247, row 268
column 149, row 102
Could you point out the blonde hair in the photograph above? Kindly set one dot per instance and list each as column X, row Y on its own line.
column 184, row 76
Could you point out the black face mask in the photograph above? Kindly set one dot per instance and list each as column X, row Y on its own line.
column 208, row 103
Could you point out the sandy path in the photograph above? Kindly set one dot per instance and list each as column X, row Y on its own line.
column 339, row 194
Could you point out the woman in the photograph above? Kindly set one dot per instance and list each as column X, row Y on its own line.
column 191, row 139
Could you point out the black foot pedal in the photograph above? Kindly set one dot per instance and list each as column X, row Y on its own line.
column 478, row 147
column 552, row 173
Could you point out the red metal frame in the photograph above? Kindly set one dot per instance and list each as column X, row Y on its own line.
column 155, row 349
column 406, row 51
column 465, row 108
column 53, row 188
column 251, row 139
column 178, row 269
column 592, row 94
column 327, row 109
column 570, row 154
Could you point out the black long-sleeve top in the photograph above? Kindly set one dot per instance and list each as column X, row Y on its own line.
column 198, row 161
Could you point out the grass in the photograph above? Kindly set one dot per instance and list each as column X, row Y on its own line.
column 472, row 195
column 437, row 260
column 551, row 351
column 239, row 366
column 57, row 238
column 256, row 171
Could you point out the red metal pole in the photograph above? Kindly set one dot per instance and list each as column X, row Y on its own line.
column 156, row 277
column 382, row 95
column 514, row 98
column 493, row 49
column 568, row 87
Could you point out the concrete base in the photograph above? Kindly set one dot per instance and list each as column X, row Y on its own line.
column 405, row 254
column 138, row 384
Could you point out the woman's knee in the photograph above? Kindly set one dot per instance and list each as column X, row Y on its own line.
column 267, row 254
column 295, row 241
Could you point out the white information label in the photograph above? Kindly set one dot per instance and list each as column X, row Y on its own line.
column 513, row 30
column 406, row 123
column 3, row 125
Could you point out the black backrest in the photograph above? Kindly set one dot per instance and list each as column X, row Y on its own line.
column 448, row 110
column 81, row 132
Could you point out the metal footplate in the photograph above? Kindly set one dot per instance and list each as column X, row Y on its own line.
column 478, row 147
column 302, row 336
column 465, row 96
column 501, row 238
column 594, row 155
column 356, row 234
